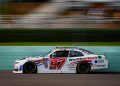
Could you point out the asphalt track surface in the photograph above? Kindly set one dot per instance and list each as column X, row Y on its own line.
column 7, row 78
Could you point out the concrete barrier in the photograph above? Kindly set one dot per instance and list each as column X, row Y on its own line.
column 10, row 53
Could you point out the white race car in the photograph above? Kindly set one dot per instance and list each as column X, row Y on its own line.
column 61, row 60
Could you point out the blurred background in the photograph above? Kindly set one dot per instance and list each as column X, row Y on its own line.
column 59, row 21
column 60, row 14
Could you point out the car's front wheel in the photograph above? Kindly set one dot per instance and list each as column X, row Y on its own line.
column 83, row 67
column 30, row 67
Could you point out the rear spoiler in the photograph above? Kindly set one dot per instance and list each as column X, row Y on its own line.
column 100, row 53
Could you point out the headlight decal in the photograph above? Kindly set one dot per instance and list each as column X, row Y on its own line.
column 16, row 62
column 21, row 68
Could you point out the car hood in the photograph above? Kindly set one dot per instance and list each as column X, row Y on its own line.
column 29, row 58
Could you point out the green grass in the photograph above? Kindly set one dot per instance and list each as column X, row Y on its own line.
column 59, row 43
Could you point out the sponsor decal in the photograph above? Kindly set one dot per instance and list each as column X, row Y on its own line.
column 39, row 61
column 87, row 61
column 71, row 66
column 38, row 64
column 72, row 59
column 81, row 59
column 46, row 61
column 21, row 67
column 101, row 65
column 91, row 57
column 96, row 61
column 99, row 61
column 99, row 57
column 77, row 59
column 57, row 63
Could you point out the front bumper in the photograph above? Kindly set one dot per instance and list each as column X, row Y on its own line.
column 17, row 69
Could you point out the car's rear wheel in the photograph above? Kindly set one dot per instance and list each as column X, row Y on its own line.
column 83, row 67
column 30, row 67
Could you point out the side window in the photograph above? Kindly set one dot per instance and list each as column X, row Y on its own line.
column 75, row 54
column 59, row 54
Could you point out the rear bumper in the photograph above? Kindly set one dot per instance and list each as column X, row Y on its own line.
column 100, row 65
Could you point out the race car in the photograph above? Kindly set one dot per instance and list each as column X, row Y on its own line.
column 62, row 60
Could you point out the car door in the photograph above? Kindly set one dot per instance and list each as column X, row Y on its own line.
column 75, row 56
column 73, row 59
column 58, row 60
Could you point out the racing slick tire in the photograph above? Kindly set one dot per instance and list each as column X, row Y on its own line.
column 83, row 68
column 29, row 67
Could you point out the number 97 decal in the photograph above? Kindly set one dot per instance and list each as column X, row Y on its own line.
column 57, row 63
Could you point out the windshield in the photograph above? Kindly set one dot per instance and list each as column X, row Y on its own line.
column 45, row 54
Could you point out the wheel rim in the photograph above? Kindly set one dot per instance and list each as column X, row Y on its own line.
column 83, row 68
column 30, row 67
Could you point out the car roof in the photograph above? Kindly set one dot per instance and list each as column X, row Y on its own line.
column 73, row 48
column 66, row 48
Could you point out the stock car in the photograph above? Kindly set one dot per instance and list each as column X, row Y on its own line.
column 62, row 60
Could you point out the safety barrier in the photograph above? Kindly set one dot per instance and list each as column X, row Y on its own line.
column 10, row 53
